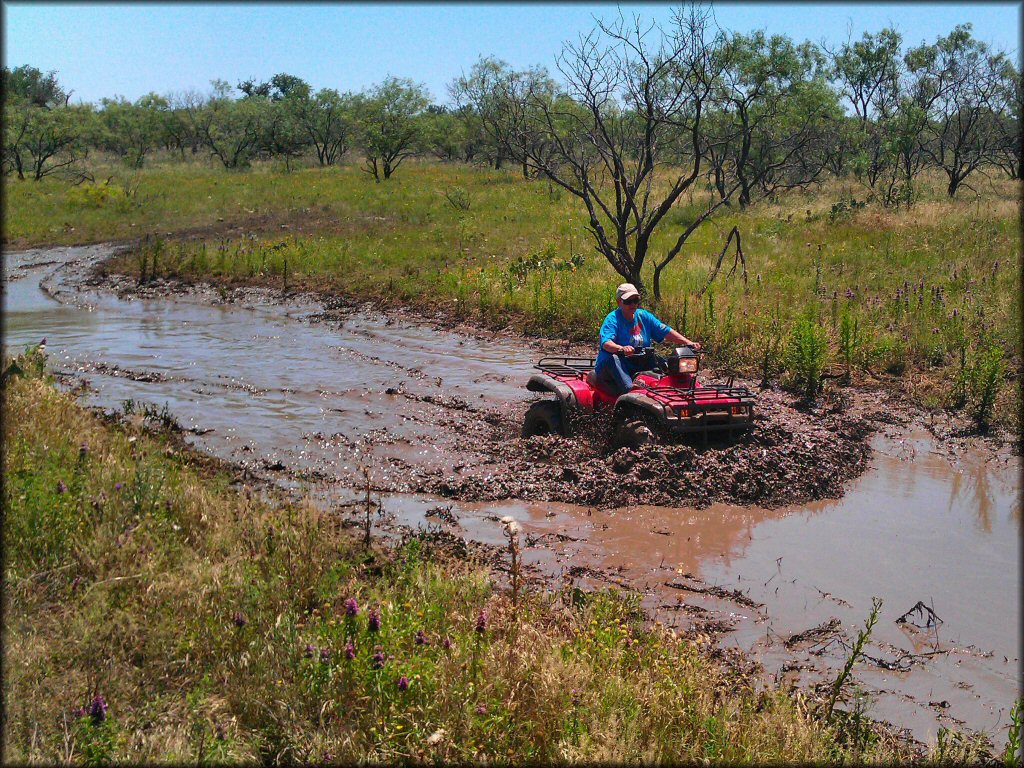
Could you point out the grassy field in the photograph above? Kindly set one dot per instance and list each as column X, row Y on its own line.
column 155, row 613
column 926, row 300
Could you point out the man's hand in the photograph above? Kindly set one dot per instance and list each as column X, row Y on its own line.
column 695, row 345
column 628, row 350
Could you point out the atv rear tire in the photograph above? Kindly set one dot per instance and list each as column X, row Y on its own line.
column 543, row 418
column 633, row 433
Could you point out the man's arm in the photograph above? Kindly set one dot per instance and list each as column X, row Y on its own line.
column 676, row 337
column 608, row 343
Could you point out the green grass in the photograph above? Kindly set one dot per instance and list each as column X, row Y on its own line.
column 920, row 285
column 214, row 625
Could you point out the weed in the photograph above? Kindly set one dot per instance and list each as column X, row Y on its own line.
column 849, row 341
column 1012, row 751
column 985, row 377
column 458, row 198
column 855, row 653
column 806, row 355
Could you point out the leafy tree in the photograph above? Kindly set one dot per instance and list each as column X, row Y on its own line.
column 282, row 131
column 131, row 131
column 1008, row 155
column 231, row 129
column 867, row 74
column 775, row 105
column 329, row 122
column 390, row 125
column 29, row 85
column 42, row 134
column 444, row 133
column 494, row 102
column 39, row 142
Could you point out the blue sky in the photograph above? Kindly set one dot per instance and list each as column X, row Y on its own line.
column 106, row 49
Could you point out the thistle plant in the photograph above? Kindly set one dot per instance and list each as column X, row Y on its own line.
column 512, row 533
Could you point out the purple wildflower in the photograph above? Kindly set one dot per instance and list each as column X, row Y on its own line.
column 98, row 709
column 325, row 654
column 373, row 623
column 447, row 643
column 403, row 683
column 310, row 650
column 61, row 488
column 481, row 622
column 80, row 712
column 350, row 650
column 421, row 637
column 481, row 709
column 118, row 486
column 238, row 619
column 351, row 607
column 221, row 735
column 83, row 451
column 378, row 660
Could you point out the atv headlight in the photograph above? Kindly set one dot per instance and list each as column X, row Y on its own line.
column 688, row 365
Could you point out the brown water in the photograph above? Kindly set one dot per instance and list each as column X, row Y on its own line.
column 270, row 384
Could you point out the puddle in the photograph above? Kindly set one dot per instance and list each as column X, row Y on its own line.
column 271, row 385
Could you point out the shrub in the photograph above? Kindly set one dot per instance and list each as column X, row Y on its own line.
column 806, row 355
column 985, row 375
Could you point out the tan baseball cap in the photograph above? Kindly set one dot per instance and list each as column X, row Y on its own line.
column 626, row 290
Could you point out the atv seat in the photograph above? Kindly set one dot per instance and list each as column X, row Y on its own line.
column 594, row 383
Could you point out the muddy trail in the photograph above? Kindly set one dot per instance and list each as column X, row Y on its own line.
column 772, row 544
column 795, row 453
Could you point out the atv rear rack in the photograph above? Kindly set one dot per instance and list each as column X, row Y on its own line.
column 573, row 367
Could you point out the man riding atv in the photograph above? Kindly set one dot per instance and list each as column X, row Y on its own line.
column 625, row 331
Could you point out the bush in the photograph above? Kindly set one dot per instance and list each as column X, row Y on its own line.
column 806, row 356
column 103, row 195
column 985, row 375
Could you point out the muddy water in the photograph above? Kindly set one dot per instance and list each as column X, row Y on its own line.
column 281, row 389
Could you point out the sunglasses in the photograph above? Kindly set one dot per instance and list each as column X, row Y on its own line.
column 631, row 300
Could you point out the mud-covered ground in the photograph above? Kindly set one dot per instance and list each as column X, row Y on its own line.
column 794, row 453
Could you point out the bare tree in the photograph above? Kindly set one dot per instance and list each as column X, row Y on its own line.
column 630, row 115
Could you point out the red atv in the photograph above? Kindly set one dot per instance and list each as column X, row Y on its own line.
column 667, row 401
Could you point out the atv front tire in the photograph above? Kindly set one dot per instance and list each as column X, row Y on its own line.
column 543, row 418
column 633, row 433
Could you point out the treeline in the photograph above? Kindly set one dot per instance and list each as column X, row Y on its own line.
column 751, row 114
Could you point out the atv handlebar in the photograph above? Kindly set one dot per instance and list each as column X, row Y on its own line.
column 644, row 351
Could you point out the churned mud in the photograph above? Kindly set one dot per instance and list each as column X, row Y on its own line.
column 792, row 454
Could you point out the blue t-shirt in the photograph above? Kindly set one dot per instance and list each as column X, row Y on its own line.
column 638, row 333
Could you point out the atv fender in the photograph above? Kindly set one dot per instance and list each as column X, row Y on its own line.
column 541, row 382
